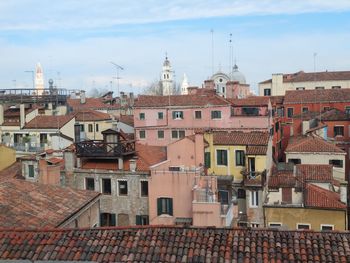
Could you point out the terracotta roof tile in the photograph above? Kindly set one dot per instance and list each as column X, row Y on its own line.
column 256, row 150
column 48, row 122
column 316, row 196
column 148, row 156
column 240, row 138
column 91, row 115
column 302, row 76
column 33, row 205
column 319, row 96
column 127, row 119
column 311, row 144
column 90, row 103
column 175, row 244
column 311, row 172
column 145, row 101
column 13, row 171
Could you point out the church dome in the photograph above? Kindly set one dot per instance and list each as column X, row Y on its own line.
column 237, row 76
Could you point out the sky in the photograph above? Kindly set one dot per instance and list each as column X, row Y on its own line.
column 75, row 41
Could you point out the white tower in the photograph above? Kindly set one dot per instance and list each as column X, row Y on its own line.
column 167, row 78
column 39, row 79
column 184, row 85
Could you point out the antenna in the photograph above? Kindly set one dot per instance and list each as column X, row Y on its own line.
column 231, row 56
column 118, row 67
column 212, row 50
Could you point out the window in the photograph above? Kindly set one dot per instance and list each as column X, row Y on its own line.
column 178, row 115
column 31, row 171
column 142, row 134
column 43, row 138
column 267, row 92
column 275, row 225
column 254, row 198
column 165, row 206
column 160, row 116
column 300, row 88
column 326, row 108
column 90, row 128
column 338, row 130
column 241, row 193
column 327, row 227
column 96, row 127
column 177, row 134
column 295, row 161
column 90, row 184
column 82, row 128
column 142, row 116
column 216, row 114
column 107, row 219
column 122, row 187
column 198, row 114
column 290, row 112
column 303, row 226
column 144, row 188
column 240, row 158
column 106, row 186
column 221, row 157
column 336, row 163
column 305, row 109
column 347, row 109
column 207, row 159
column 250, row 111
column 255, row 225
column 277, row 126
column 142, row 220
column 320, row 87
column 223, row 197
column 161, row 134
column 336, row 87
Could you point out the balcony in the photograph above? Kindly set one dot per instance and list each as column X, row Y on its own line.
column 28, row 147
column 102, row 149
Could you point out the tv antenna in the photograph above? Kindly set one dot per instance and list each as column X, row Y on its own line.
column 118, row 68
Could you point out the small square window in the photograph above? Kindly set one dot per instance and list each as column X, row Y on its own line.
column 142, row 134
column 122, row 187
column 160, row 116
column 161, row 134
column 320, row 87
column 216, row 114
column 338, row 130
column 336, row 87
column 267, row 92
column 142, row 220
column 290, row 112
column 327, row 227
column 221, row 157
column 305, row 109
column 178, row 115
column 303, row 226
column 90, row 184
column 31, row 171
column 336, row 163
column 144, row 188
column 142, row 116
column 254, row 198
column 198, row 114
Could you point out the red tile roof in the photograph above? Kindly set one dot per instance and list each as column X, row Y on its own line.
column 127, row 119
column 256, row 150
column 335, row 115
column 311, row 144
column 276, row 100
column 302, row 76
column 250, row 101
column 316, row 196
column 281, row 179
column 33, row 205
column 240, row 138
column 174, row 244
column 91, row 115
column 311, row 172
column 149, row 155
column 145, row 101
column 48, row 122
column 13, row 171
column 317, row 96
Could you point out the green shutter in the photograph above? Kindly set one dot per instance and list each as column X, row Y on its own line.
column 218, row 157
column 159, row 206
column 138, row 220
column 212, row 114
column 113, row 220
column 225, row 157
column 170, row 206
column 207, row 159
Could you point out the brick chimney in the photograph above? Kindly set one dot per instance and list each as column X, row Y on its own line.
column 209, row 84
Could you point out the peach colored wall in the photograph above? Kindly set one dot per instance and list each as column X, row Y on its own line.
column 49, row 174
column 176, row 185
column 207, row 214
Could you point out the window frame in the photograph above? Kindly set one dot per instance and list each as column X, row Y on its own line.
column 303, row 224
column 178, row 132
column 178, row 115
column 223, row 161
column 31, row 171
column 160, row 115
column 267, row 92
column 90, row 128
column 288, row 112
column 141, row 182
column 119, row 183
column 160, row 137
column 199, row 113
column 142, row 116
column 254, row 199
column 165, row 206
column 326, row 225
column 86, row 183
column 341, row 165
column 275, row 224
column 305, row 109
column 216, row 115
column 103, row 186
column 342, row 129
column 144, row 134
column 241, row 160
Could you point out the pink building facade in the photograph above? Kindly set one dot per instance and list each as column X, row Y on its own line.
column 161, row 120
column 181, row 193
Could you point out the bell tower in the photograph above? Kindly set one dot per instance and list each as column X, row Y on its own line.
column 39, row 79
column 167, row 78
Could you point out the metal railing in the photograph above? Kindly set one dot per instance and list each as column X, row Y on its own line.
column 99, row 148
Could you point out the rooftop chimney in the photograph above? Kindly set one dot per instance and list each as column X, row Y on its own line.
column 82, row 97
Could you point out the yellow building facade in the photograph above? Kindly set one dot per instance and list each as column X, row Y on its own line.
column 7, row 156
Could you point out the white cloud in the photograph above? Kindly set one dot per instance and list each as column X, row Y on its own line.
column 91, row 14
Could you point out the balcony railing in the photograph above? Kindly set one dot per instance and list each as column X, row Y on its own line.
column 102, row 149
column 28, row 147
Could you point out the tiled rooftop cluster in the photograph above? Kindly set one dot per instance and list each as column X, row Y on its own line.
column 172, row 244
column 311, row 144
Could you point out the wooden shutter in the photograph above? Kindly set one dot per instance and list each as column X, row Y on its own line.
column 113, row 223
column 207, row 159
column 287, row 195
column 159, row 206
column 138, row 220
column 170, row 206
